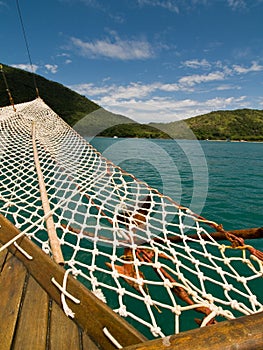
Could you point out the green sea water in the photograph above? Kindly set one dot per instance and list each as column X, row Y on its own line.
column 223, row 181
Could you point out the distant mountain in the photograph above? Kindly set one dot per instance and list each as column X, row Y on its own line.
column 78, row 111
column 240, row 124
column 134, row 130
column 89, row 119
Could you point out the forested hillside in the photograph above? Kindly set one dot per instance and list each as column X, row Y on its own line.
column 75, row 109
column 240, row 124
column 90, row 119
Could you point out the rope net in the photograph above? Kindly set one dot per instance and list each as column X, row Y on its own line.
column 131, row 246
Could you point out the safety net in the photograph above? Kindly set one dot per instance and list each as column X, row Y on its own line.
column 153, row 261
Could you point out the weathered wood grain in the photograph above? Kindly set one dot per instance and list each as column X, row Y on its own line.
column 244, row 333
column 32, row 325
column 91, row 314
column 88, row 343
column 64, row 333
column 3, row 257
column 12, row 280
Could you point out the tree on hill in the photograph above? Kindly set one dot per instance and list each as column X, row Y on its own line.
column 90, row 119
column 77, row 110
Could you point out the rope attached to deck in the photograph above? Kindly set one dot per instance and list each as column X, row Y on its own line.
column 153, row 261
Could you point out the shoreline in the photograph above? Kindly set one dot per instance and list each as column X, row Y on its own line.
column 166, row 139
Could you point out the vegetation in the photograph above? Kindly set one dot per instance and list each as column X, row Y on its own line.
column 69, row 105
column 240, row 124
column 90, row 119
column 134, row 130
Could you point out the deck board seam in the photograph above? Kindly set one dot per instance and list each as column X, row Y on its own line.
column 50, row 303
column 20, row 306
column 4, row 260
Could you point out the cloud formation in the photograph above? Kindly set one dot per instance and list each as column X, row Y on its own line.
column 192, row 80
column 114, row 48
column 28, row 67
column 236, row 4
column 255, row 67
column 159, row 101
column 169, row 5
column 143, row 103
column 195, row 63
column 52, row 68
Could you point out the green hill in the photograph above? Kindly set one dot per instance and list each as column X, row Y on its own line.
column 78, row 111
column 135, row 130
column 240, row 124
column 90, row 119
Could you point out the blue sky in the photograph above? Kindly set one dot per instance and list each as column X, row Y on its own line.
column 151, row 60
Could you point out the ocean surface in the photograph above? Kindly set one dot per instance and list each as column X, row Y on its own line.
column 222, row 181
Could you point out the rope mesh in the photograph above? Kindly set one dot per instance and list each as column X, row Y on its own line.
column 121, row 238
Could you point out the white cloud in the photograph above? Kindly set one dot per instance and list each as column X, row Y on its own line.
column 169, row 5
column 227, row 87
column 34, row 68
column 192, row 80
column 197, row 63
column 134, row 90
column 90, row 3
column 121, row 92
column 159, row 109
column 159, row 101
column 28, row 67
column 53, row 68
column 261, row 102
column 236, row 4
column 92, row 90
column 143, row 103
column 255, row 67
column 63, row 54
column 115, row 48
column 169, row 87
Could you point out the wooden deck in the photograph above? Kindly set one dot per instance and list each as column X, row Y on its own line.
column 31, row 316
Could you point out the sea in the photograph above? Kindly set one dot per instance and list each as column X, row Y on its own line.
column 221, row 181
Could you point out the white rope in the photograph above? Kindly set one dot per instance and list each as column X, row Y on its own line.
column 65, row 293
column 28, row 256
column 11, row 241
column 116, row 233
column 111, row 338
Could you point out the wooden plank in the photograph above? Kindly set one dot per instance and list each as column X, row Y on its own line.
column 64, row 333
column 12, row 279
column 242, row 333
column 3, row 256
column 91, row 314
column 88, row 343
column 32, row 327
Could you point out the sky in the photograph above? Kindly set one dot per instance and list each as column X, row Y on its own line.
column 150, row 60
